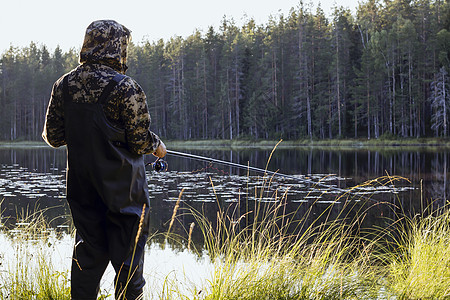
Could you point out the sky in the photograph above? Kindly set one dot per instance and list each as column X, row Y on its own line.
column 63, row 23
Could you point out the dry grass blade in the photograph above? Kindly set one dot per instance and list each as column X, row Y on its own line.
column 191, row 229
column 175, row 209
column 141, row 223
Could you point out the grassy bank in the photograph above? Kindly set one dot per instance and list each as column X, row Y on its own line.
column 29, row 272
column 22, row 144
column 278, row 257
column 266, row 254
column 332, row 264
column 331, row 145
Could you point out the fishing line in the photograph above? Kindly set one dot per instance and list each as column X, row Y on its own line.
column 232, row 164
column 161, row 165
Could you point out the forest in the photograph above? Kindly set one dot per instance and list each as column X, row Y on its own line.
column 381, row 72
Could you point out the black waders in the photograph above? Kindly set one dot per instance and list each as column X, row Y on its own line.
column 106, row 192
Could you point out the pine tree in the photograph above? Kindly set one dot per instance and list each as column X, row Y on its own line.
column 440, row 102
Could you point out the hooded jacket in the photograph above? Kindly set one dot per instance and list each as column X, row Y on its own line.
column 102, row 56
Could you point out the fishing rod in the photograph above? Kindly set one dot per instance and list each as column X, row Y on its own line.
column 161, row 165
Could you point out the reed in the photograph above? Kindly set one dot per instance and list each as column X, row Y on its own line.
column 269, row 253
column 418, row 267
column 30, row 273
column 141, row 224
column 132, row 269
column 191, row 230
column 175, row 209
column 269, row 260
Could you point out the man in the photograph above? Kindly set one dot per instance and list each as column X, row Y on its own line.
column 102, row 117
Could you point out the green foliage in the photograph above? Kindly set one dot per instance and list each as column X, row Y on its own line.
column 301, row 75
column 420, row 267
column 31, row 274
column 26, row 78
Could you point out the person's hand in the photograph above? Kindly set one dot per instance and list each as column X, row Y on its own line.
column 160, row 151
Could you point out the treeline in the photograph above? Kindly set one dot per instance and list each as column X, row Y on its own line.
column 380, row 72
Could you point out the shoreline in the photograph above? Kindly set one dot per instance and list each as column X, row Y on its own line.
column 344, row 144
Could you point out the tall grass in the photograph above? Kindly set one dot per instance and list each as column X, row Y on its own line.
column 274, row 256
column 277, row 257
column 419, row 266
column 30, row 273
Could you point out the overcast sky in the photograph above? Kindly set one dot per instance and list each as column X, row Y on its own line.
column 56, row 22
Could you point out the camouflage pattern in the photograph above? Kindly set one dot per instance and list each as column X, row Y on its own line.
column 106, row 42
column 102, row 56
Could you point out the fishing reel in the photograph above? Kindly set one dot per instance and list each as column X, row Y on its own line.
column 159, row 165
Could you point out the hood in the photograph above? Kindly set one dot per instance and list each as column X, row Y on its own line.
column 106, row 42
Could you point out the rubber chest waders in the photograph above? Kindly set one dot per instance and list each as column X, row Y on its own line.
column 106, row 192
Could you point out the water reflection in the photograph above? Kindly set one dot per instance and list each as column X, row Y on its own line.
column 36, row 176
column 27, row 254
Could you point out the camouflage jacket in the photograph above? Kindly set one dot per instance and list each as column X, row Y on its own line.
column 102, row 56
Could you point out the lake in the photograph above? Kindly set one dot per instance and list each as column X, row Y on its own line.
column 35, row 176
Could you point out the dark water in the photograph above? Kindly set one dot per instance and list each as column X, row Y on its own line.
column 35, row 178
